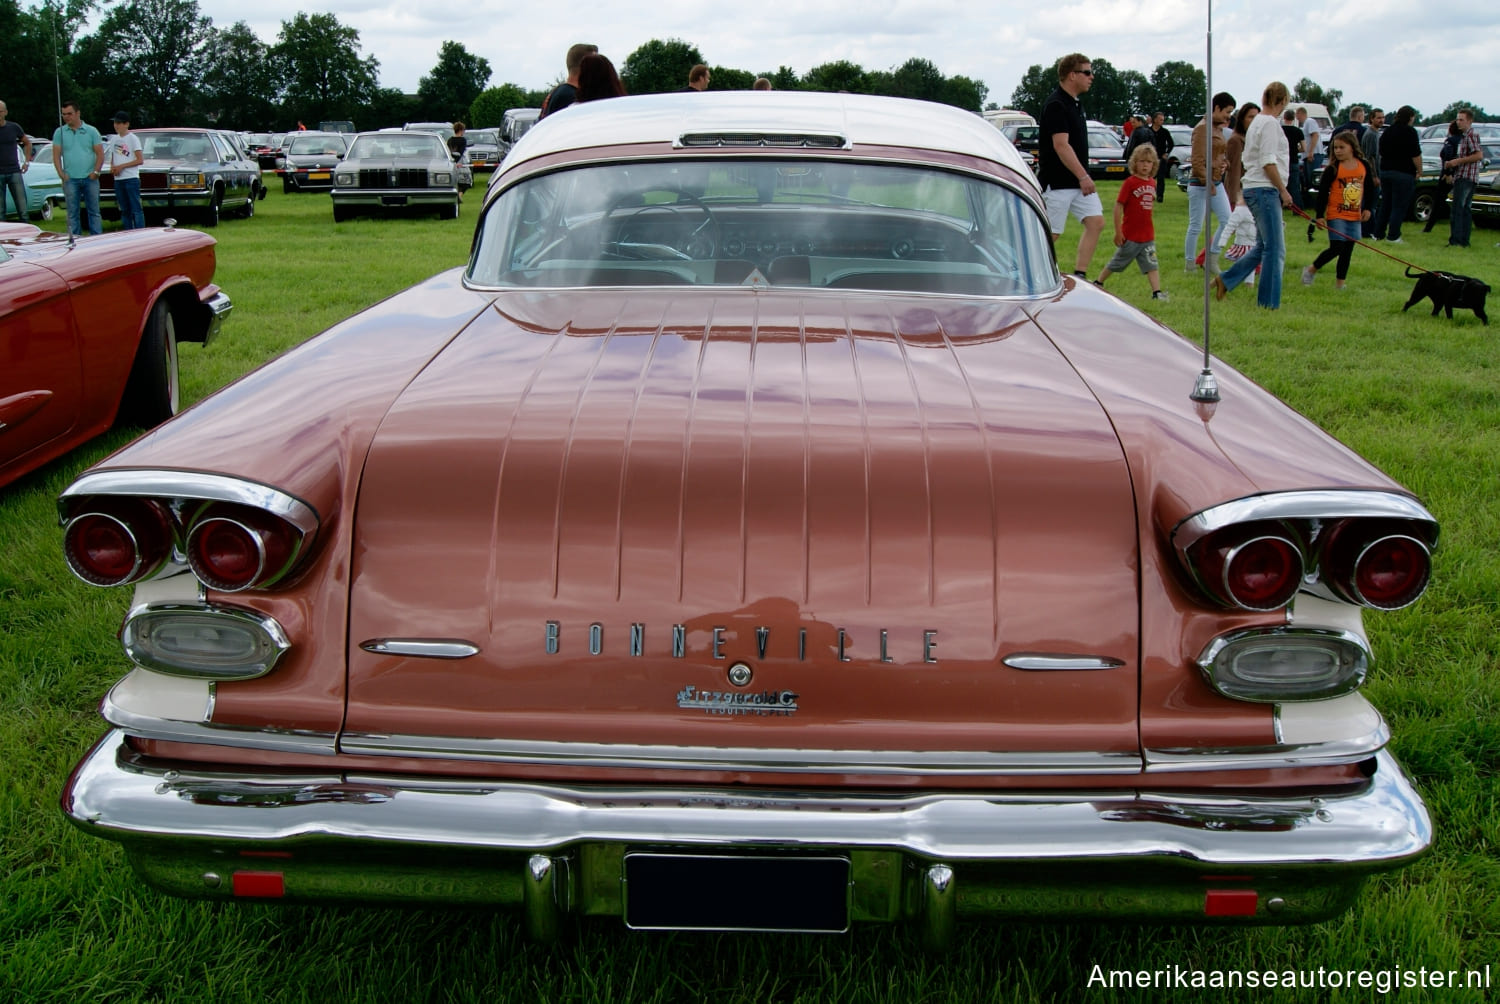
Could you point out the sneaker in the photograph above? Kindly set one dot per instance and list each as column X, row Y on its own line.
column 1307, row 276
column 1160, row 294
column 1190, row 268
column 1394, row 240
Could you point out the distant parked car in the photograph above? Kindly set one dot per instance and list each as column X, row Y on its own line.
column 203, row 171
column 443, row 129
column 1106, row 154
column 514, row 125
column 396, row 171
column 1180, row 159
column 264, row 146
column 307, row 164
column 484, row 149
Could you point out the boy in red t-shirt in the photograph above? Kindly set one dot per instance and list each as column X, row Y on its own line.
column 1135, row 235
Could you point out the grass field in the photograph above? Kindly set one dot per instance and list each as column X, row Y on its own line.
column 1419, row 396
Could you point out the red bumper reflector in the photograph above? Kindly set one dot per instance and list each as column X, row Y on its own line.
column 267, row 885
column 1226, row 902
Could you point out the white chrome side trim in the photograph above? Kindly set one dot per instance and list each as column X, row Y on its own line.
column 1057, row 662
column 717, row 758
column 1320, row 504
column 179, row 712
column 1323, row 753
column 424, row 648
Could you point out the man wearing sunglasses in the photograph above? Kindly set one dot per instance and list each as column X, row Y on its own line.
column 1063, row 157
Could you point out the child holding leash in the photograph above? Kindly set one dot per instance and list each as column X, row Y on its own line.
column 1342, row 197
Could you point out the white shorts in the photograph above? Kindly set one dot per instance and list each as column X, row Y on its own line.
column 1061, row 201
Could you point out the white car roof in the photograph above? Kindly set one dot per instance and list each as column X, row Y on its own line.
column 859, row 119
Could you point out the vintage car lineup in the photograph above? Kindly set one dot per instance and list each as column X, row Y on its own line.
column 757, row 533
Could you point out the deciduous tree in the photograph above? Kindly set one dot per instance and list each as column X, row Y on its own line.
column 1179, row 89
column 1307, row 90
column 659, row 66
column 326, row 77
column 459, row 77
column 239, row 84
column 488, row 110
column 153, row 55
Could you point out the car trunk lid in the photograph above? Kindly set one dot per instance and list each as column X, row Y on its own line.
column 682, row 528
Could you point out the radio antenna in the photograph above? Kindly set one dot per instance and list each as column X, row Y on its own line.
column 1206, row 388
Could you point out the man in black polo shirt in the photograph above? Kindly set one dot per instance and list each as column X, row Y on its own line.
column 1063, row 157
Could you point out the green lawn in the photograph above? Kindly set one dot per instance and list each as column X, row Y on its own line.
column 1417, row 395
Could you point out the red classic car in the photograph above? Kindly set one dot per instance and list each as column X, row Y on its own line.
column 90, row 332
column 759, row 534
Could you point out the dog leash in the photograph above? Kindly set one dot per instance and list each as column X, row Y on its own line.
column 1368, row 247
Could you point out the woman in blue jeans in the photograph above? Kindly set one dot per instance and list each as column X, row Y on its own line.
column 1263, row 188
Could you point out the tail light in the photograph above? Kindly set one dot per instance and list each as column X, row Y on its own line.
column 1253, row 568
column 118, row 541
column 231, row 548
column 1376, row 565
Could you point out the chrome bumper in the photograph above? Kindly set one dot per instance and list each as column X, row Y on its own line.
column 219, row 306
column 929, row 858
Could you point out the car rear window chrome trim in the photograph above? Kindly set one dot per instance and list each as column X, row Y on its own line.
column 751, row 138
column 714, row 758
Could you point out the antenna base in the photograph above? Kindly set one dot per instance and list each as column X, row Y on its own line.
column 1206, row 388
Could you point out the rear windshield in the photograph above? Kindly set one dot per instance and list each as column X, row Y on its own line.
column 315, row 145
column 820, row 224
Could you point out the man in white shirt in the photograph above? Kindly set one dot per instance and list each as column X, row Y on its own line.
column 125, row 160
column 1263, row 188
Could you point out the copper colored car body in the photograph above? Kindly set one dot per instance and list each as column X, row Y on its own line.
column 758, row 534
column 90, row 333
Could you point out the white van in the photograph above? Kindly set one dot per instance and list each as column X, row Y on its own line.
column 1002, row 117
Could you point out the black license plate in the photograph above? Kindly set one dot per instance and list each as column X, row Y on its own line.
column 687, row 892
column 393, row 200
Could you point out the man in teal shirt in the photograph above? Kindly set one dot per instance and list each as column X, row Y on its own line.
column 78, row 155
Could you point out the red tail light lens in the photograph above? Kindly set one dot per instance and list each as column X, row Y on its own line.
column 1253, row 568
column 240, row 549
column 1379, row 565
column 118, row 544
column 1264, row 573
column 1392, row 572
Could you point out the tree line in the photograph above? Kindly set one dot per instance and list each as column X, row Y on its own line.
column 167, row 64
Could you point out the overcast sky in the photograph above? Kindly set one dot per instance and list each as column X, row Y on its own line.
column 1386, row 52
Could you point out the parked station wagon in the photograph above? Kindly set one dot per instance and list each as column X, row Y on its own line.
column 197, row 173
column 758, row 533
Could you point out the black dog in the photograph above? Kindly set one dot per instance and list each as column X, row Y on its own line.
column 1448, row 290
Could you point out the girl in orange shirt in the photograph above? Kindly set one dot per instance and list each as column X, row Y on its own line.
column 1342, row 197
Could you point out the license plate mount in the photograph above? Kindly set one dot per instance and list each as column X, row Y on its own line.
column 393, row 200
column 707, row 892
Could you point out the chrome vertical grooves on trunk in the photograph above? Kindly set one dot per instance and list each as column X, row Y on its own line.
column 567, row 447
column 921, row 408
column 522, row 398
column 687, row 449
column 988, row 453
column 745, row 452
column 864, row 433
column 625, row 453
column 806, row 457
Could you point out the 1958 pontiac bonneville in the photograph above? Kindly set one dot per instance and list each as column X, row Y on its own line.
column 758, row 533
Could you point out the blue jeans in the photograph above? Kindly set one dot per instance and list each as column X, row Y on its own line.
column 128, row 198
column 14, row 183
column 86, row 191
column 1269, row 251
column 1461, row 218
column 1396, row 190
column 1219, row 206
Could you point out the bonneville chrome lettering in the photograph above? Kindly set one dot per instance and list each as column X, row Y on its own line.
column 843, row 643
column 885, row 655
column 929, row 642
column 802, row 645
column 718, row 643
column 637, row 639
column 553, row 629
column 762, row 638
column 679, row 641
column 596, row 639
